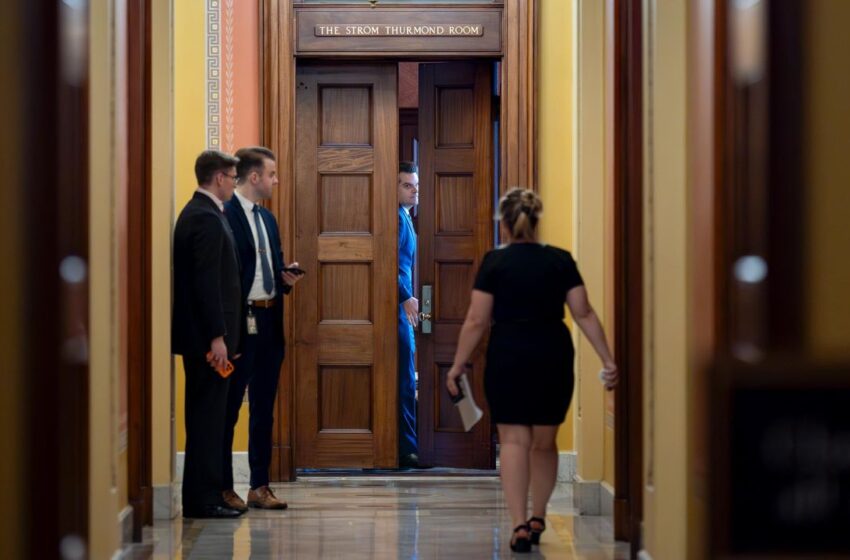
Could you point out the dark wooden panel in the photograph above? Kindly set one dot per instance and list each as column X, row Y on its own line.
column 278, row 125
column 46, row 111
column 345, row 343
column 349, row 448
column 346, row 397
column 453, row 247
column 345, row 160
column 455, row 225
column 342, row 304
column 408, row 132
column 455, row 204
column 346, row 203
column 446, row 414
column 408, row 85
column 488, row 43
column 345, row 115
column 140, row 491
column 454, row 120
column 345, row 248
column 453, row 160
column 454, row 284
column 625, row 133
column 346, row 292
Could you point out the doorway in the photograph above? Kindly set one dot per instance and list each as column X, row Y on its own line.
column 350, row 133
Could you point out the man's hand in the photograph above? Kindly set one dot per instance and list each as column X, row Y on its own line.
column 289, row 278
column 411, row 309
column 218, row 349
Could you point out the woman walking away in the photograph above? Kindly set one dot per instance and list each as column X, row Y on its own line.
column 521, row 287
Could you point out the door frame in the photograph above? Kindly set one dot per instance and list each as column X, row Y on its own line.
column 624, row 66
column 518, row 146
column 139, row 389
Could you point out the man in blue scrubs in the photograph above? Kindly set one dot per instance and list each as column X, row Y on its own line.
column 408, row 315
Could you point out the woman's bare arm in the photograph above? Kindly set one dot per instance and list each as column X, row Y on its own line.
column 477, row 321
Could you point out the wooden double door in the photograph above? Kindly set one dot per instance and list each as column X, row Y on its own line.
column 346, row 236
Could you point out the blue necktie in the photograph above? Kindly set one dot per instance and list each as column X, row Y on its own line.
column 268, row 282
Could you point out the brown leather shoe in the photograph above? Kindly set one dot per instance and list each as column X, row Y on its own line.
column 264, row 498
column 233, row 500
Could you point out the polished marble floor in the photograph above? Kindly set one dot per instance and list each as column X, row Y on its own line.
column 426, row 517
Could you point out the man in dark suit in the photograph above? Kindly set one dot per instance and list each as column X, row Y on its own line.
column 264, row 281
column 206, row 327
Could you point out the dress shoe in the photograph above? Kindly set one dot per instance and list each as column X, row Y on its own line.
column 233, row 501
column 409, row 461
column 264, row 498
column 212, row 512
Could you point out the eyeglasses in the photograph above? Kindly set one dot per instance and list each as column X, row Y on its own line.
column 234, row 177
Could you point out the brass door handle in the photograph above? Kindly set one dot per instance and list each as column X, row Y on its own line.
column 424, row 316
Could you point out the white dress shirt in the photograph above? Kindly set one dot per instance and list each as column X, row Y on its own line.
column 257, row 293
column 214, row 198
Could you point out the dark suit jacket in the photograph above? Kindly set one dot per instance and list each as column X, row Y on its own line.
column 207, row 292
column 248, row 256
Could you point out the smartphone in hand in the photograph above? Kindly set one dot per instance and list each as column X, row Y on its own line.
column 294, row 270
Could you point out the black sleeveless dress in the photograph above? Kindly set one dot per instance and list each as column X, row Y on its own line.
column 529, row 374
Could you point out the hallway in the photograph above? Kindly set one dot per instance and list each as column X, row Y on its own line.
column 383, row 517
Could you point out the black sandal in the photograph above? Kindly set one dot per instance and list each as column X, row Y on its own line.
column 534, row 533
column 521, row 544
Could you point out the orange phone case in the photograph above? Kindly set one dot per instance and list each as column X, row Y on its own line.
column 224, row 372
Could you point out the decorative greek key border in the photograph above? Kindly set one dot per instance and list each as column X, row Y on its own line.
column 228, row 123
column 213, row 74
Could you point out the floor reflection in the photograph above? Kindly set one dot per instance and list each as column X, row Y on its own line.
column 427, row 517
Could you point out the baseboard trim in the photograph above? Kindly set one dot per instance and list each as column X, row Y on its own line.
column 606, row 499
column 566, row 466
column 125, row 528
column 166, row 501
column 241, row 468
column 643, row 555
column 593, row 497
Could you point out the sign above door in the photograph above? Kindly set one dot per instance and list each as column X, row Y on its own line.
column 443, row 31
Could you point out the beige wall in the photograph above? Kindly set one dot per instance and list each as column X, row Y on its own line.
column 666, row 312
column 162, row 216
column 555, row 141
column 827, row 176
column 107, row 462
column 591, row 209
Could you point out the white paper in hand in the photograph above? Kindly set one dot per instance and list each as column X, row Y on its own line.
column 470, row 414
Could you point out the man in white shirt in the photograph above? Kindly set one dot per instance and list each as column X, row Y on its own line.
column 264, row 281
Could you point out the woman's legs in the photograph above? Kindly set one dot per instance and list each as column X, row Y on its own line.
column 515, row 442
column 544, row 468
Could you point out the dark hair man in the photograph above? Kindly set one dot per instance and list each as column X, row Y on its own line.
column 408, row 315
column 205, row 327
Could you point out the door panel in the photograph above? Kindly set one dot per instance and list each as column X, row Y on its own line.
column 455, row 230
column 345, row 214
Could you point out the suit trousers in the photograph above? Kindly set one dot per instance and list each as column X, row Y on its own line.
column 407, row 439
column 205, row 404
column 258, row 369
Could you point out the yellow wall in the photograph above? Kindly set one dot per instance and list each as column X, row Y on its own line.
column 666, row 282
column 590, row 211
column 190, row 140
column 827, row 175
column 555, row 140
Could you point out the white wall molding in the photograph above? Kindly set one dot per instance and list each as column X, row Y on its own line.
column 566, row 466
